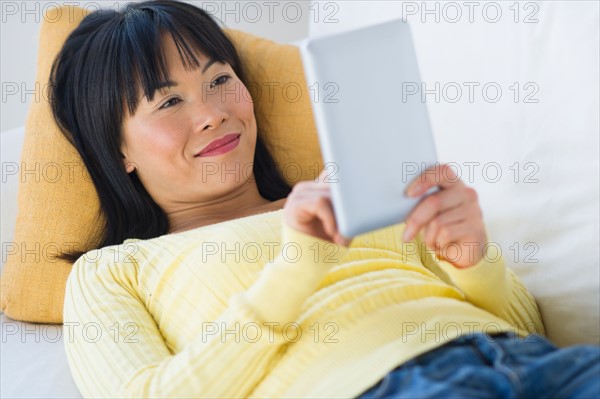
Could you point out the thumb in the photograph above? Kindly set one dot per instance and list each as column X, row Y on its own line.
column 341, row 240
column 322, row 176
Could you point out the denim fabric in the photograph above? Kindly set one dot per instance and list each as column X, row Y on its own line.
column 498, row 366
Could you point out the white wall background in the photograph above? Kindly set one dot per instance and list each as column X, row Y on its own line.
column 282, row 21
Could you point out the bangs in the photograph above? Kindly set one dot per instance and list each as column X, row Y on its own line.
column 142, row 65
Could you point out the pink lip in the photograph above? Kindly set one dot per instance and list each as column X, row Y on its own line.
column 221, row 145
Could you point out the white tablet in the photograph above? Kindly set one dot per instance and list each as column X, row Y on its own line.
column 373, row 126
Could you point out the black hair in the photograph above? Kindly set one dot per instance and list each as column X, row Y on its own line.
column 96, row 76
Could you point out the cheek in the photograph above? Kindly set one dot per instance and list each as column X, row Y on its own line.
column 166, row 135
column 156, row 139
column 246, row 112
column 244, row 108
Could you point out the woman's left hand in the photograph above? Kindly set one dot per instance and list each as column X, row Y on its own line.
column 451, row 217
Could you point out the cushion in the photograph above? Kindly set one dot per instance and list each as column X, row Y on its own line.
column 58, row 206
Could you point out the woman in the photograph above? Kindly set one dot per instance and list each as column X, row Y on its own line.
column 229, row 284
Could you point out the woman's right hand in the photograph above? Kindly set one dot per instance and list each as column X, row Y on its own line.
column 308, row 209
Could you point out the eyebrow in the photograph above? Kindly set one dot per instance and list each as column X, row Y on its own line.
column 171, row 83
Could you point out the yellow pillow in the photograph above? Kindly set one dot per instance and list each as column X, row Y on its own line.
column 58, row 205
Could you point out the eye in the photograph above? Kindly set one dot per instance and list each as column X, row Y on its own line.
column 169, row 102
column 220, row 81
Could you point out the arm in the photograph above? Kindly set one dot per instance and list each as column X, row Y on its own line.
column 133, row 360
column 489, row 285
column 454, row 245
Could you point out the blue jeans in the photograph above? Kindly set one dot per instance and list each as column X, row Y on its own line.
column 499, row 366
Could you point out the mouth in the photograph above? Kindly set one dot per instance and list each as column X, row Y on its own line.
column 221, row 145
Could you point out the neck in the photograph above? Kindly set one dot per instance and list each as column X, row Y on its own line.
column 244, row 202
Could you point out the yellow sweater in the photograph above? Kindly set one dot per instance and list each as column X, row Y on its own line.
column 253, row 308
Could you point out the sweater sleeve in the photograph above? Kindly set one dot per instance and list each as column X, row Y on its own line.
column 115, row 348
column 491, row 286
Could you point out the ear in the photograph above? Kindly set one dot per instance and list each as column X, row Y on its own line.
column 129, row 166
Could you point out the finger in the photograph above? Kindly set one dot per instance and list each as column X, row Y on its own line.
column 307, row 184
column 323, row 177
column 467, row 211
column 324, row 211
column 441, row 175
column 450, row 216
column 309, row 192
column 341, row 240
column 312, row 187
column 429, row 207
column 449, row 239
column 453, row 233
column 327, row 216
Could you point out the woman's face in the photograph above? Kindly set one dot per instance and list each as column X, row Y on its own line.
column 164, row 137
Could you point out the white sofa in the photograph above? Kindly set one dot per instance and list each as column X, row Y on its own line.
column 33, row 362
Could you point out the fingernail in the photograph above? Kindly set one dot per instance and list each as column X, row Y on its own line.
column 412, row 191
column 338, row 238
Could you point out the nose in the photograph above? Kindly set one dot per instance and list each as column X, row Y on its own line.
column 209, row 115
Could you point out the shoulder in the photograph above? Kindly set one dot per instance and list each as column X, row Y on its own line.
column 110, row 264
column 119, row 254
column 129, row 256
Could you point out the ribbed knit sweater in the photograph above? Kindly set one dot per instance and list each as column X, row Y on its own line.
column 251, row 307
